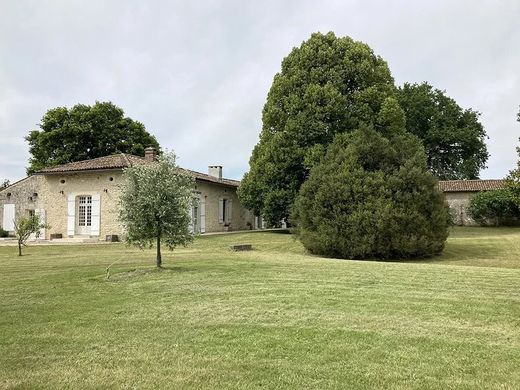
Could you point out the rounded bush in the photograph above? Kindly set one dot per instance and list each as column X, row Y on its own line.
column 372, row 197
column 496, row 207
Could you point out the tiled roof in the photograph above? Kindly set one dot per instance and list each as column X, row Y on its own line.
column 120, row 161
column 470, row 185
column 213, row 179
column 115, row 161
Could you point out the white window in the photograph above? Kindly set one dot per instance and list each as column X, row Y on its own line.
column 85, row 211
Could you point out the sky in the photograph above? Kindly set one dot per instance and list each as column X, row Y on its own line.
column 197, row 73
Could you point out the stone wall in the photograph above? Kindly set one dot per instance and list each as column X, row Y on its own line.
column 25, row 194
column 57, row 188
column 459, row 202
column 212, row 193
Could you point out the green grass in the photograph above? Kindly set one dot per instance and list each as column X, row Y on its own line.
column 271, row 318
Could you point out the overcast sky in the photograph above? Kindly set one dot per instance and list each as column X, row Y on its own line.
column 196, row 73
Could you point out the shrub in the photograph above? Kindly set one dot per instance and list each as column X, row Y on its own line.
column 495, row 207
column 4, row 233
column 372, row 197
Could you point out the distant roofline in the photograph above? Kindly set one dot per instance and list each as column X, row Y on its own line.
column 474, row 185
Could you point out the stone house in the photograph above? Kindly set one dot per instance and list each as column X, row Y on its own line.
column 458, row 194
column 80, row 199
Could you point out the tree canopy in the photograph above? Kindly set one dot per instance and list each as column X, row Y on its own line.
column 372, row 197
column 453, row 137
column 154, row 205
column 513, row 179
column 85, row 132
column 327, row 86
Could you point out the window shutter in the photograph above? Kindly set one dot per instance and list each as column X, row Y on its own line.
column 203, row 215
column 221, row 210
column 8, row 219
column 41, row 213
column 71, row 211
column 229, row 209
column 96, row 214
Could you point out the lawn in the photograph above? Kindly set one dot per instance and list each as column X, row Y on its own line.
column 275, row 317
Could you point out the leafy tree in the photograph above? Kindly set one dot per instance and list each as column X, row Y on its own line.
column 513, row 179
column 372, row 197
column 155, row 203
column 327, row 86
column 453, row 137
column 496, row 207
column 85, row 132
column 24, row 227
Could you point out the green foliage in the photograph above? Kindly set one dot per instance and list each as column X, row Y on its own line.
column 327, row 86
column 496, row 207
column 513, row 179
column 85, row 132
column 453, row 138
column 24, row 227
column 155, row 203
column 372, row 197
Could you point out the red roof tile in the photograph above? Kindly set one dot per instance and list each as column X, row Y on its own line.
column 470, row 185
column 115, row 161
column 121, row 161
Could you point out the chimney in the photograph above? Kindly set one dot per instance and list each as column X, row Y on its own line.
column 150, row 154
column 215, row 171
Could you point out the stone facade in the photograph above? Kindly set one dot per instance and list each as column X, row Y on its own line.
column 58, row 189
column 24, row 197
column 237, row 217
column 216, row 206
column 459, row 202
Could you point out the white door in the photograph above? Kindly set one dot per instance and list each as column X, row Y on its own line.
column 84, row 215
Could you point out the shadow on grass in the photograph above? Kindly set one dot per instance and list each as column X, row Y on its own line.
column 140, row 272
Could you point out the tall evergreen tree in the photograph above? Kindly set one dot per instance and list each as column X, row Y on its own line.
column 328, row 85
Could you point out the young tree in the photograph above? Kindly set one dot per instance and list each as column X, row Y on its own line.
column 372, row 197
column 24, row 227
column 453, row 138
column 154, row 205
column 85, row 132
column 327, row 86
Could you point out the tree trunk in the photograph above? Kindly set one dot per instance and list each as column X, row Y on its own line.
column 159, row 259
column 19, row 248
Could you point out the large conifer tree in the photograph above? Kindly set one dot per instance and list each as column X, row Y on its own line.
column 372, row 197
column 327, row 86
